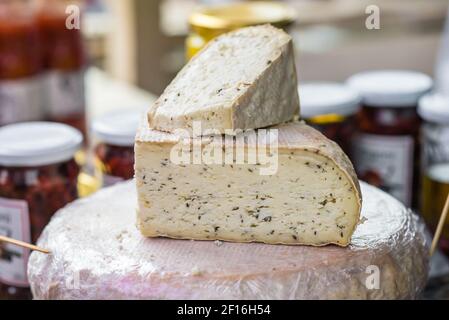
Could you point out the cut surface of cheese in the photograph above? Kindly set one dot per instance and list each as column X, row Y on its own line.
column 245, row 79
column 299, row 188
column 98, row 253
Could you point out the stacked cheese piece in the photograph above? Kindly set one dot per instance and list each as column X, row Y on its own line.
column 206, row 170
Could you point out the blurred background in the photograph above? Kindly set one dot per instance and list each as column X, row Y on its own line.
column 96, row 65
column 142, row 42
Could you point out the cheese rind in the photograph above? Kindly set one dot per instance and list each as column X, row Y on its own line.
column 245, row 79
column 313, row 198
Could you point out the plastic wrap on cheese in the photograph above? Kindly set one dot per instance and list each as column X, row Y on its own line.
column 98, row 253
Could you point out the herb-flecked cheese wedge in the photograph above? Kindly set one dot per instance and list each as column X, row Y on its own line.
column 245, row 79
column 313, row 198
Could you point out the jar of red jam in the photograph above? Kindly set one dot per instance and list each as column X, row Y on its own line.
column 386, row 150
column 20, row 64
column 331, row 108
column 114, row 149
column 64, row 61
column 38, row 176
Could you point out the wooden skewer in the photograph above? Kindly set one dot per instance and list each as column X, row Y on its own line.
column 23, row 244
column 437, row 236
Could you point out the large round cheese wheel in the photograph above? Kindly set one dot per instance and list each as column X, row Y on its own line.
column 98, row 253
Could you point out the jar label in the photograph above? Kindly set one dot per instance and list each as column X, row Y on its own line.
column 435, row 144
column 65, row 93
column 387, row 163
column 21, row 100
column 14, row 223
column 109, row 180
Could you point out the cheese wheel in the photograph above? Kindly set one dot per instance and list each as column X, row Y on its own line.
column 98, row 253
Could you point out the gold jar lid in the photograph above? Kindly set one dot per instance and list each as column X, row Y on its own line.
column 211, row 21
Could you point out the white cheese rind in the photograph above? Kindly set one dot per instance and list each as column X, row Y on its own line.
column 313, row 199
column 245, row 79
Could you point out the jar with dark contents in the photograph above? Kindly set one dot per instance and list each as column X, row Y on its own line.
column 331, row 108
column 114, row 148
column 64, row 59
column 38, row 176
column 21, row 80
column 434, row 111
column 386, row 149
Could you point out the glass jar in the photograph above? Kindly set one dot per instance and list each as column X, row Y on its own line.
column 331, row 108
column 208, row 22
column 64, row 61
column 386, row 149
column 114, row 149
column 38, row 176
column 434, row 110
column 20, row 64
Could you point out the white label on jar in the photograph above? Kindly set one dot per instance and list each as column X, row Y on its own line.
column 386, row 162
column 65, row 93
column 435, row 144
column 109, row 180
column 14, row 223
column 21, row 100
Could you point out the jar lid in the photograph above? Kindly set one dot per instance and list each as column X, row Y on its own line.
column 32, row 144
column 320, row 98
column 391, row 88
column 211, row 20
column 435, row 108
column 118, row 128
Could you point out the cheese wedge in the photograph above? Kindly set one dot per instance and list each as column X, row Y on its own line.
column 294, row 186
column 245, row 79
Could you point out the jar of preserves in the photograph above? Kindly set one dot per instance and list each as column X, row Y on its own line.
column 38, row 176
column 434, row 110
column 64, row 61
column 20, row 64
column 114, row 149
column 208, row 22
column 331, row 108
column 386, row 150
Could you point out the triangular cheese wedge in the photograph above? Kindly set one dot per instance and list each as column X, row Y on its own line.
column 291, row 186
column 245, row 79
